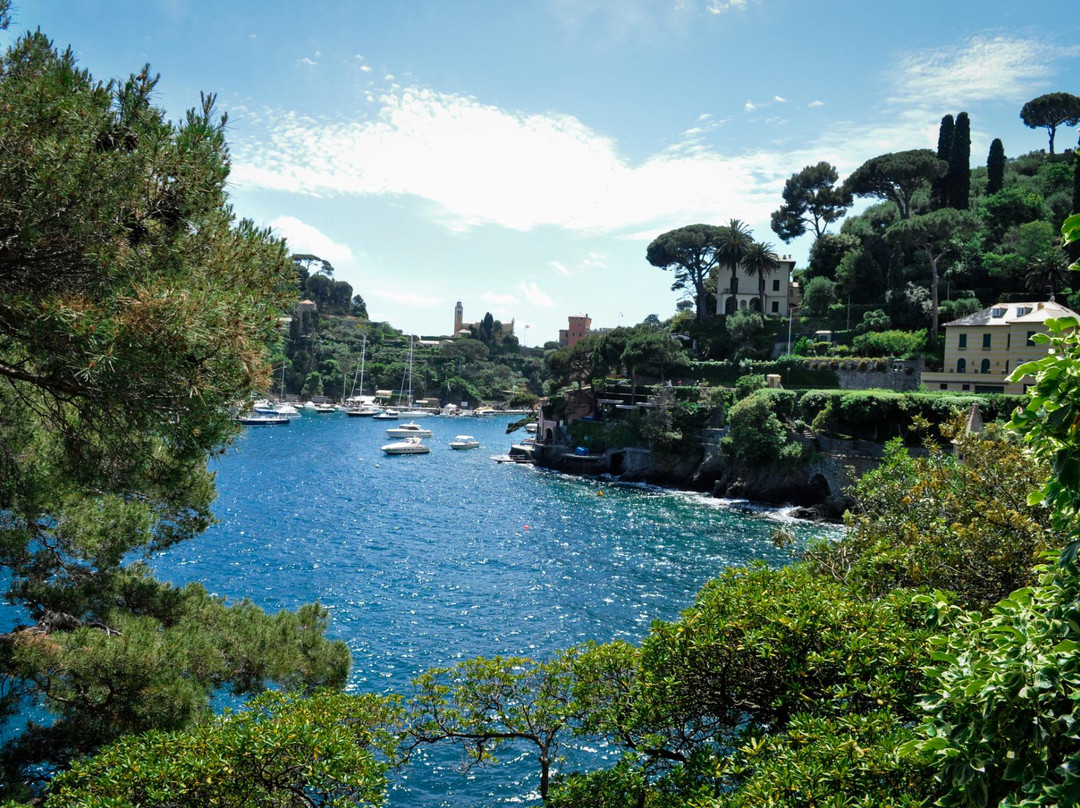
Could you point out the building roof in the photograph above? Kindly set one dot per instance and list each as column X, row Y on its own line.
column 1009, row 313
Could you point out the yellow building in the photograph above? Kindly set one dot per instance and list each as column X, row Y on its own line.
column 982, row 349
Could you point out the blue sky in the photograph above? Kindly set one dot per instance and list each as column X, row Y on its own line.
column 519, row 156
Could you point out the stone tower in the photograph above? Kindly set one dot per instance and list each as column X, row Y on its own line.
column 459, row 313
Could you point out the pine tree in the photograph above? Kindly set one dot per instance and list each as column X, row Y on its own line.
column 959, row 176
column 995, row 167
column 939, row 193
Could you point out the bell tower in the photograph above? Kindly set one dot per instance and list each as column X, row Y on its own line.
column 459, row 314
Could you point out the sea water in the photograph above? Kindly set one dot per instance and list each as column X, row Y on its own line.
column 426, row 560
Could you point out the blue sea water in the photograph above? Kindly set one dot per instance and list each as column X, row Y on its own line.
column 429, row 559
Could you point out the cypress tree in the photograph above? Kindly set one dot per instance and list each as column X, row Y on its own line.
column 939, row 197
column 959, row 177
column 995, row 167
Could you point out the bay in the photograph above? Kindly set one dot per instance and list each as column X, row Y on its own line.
column 432, row 559
column 426, row 560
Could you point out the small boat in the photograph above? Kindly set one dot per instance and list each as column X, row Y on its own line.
column 386, row 415
column 265, row 407
column 464, row 442
column 411, row 445
column 408, row 430
column 366, row 411
column 263, row 419
column 323, row 409
column 530, row 427
column 482, row 411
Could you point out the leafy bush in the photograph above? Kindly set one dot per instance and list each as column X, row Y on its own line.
column 755, row 435
column 901, row 344
column 748, row 384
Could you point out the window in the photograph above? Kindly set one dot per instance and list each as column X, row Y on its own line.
column 1008, row 341
column 944, row 386
column 965, row 387
column 986, row 341
column 961, row 365
column 998, row 313
column 776, row 307
column 985, row 366
column 776, row 286
column 962, row 342
column 1030, row 334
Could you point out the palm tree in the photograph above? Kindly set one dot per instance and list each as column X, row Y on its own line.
column 1047, row 272
column 760, row 260
column 732, row 249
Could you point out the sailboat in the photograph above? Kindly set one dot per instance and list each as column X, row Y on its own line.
column 411, row 411
column 357, row 407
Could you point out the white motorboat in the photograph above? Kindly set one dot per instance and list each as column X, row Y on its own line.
column 323, row 409
column 464, row 442
column 408, row 430
column 411, row 445
column 531, row 428
column 266, row 407
column 386, row 415
column 263, row 419
column 366, row 411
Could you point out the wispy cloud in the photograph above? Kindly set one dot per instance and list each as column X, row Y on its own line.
column 483, row 165
column 535, row 295
column 982, row 69
column 779, row 99
column 721, row 6
column 816, row 104
column 305, row 61
column 749, row 106
column 304, row 238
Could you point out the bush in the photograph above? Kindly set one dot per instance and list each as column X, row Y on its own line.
column 901, row 344
column 748, row 384
column 756, row 434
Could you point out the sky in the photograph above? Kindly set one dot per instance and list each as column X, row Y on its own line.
column 520, row 155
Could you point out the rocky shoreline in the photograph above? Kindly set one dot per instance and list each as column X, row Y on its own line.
column 814, row 490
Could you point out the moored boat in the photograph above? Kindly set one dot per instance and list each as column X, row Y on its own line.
column 464, row 442
column 411, row 445
column 407, row 430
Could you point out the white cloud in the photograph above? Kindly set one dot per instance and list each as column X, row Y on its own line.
column 779, row 99
column 306, row 62
column 749, row 106
column 535, row 295
column 498, row 299
column 720, row 6
column 481, row 165
column 365, row 68
column 303, row 238
column 388, row 77
column 560, row 268
column 982, row 69
column 816, row 104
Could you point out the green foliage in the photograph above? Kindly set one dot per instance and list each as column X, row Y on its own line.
column 673, row 426
column 819, row 294
column 599, row 436
column 995, row 167
column 482, row 705
column 755, row 434
column 900, row 344
column 136, row 312
column 749, row 383
column 333, row 748
column 958, row 180
column 1051, row 111
column 959, row 523
column 896, row 177
column 690, row 252
column 1001, row 716
column 812, row 199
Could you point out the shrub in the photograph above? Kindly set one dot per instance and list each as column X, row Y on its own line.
column 756, row 434
column 902, row 344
